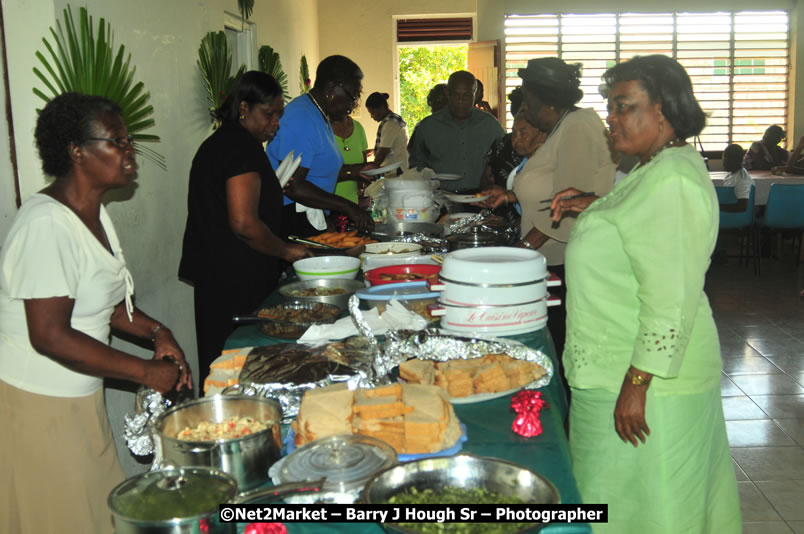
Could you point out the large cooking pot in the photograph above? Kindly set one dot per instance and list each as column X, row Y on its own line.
column 246, row 459
column 474, row 238
column 185, row 500
column 390, row 230
column 465, row 471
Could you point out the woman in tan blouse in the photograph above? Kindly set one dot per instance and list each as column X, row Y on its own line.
column 576, row 152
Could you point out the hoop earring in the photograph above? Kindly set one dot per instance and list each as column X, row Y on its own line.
column 242, row 117
column 661, row 127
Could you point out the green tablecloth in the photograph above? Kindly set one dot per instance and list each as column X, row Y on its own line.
column 488, row 428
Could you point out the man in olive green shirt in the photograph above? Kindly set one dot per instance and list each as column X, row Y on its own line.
column 455, row 139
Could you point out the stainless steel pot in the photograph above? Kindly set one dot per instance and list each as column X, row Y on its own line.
column 185, row 500
column 461, row 471
column 247, row 459
column 387, row 231
column 474, row 238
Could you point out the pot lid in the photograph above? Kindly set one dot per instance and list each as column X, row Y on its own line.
column 346, row 461
column 504, row 265
column 175, row 493
column 401, row 291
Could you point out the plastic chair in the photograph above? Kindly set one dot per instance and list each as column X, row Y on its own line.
column 741, row 222
column 785, row 210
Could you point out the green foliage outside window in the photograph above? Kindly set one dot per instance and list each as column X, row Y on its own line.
column 419, row 70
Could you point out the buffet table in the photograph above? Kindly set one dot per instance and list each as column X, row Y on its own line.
column 488, row 427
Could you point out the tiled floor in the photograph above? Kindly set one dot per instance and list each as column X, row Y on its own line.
column 761, row 325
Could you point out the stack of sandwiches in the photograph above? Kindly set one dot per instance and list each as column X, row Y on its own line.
column 491, row 373
column 413, row 419
column 225, row 370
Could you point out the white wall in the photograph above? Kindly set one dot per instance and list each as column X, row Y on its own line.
column 163, row 39
column 364, row 32
column 8, row 196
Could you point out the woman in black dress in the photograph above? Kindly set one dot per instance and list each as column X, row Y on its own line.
column 231, row 250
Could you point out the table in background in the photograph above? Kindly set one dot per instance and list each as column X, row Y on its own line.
column 762, row 183
column 488, row 428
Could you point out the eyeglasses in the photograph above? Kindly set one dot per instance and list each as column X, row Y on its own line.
column 350, row 95
column 123, row 143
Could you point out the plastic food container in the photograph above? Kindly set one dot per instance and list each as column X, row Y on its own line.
column 345, row 267
column 415, row 295
column 416, row 272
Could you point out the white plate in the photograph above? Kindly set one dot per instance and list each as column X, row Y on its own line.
column 482, row 397
column 383, row 170
column 478, row 397
column 446, row 177
column 465, row 199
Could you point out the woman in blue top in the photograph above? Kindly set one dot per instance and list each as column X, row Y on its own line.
column 305, row 128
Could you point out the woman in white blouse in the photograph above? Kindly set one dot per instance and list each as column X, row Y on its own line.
column 392, row 137
column 64, row 286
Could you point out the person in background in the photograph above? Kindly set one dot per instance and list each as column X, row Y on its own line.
column 231, row 249
column 481, row 104
column 456, row 139
column 647, row 433
column 391, row 145
column 437, row 98
column 306, row 130
column 351, row 139
column 738, row 178
column 766, row 154
column 64, row 287
column 795, row 165
column 576, row 150
column 501, row 157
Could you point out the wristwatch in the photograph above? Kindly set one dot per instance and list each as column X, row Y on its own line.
column 637, row 379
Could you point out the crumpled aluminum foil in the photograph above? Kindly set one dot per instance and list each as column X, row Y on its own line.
column 433, row 344
column 289, row 395
column 149, row 405
column 464, row 223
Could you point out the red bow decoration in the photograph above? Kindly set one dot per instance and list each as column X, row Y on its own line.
column 266, row 528
column 527, row 404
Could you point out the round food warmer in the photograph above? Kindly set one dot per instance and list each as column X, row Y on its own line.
column 498, row 290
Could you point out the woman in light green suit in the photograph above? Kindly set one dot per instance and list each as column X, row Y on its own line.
column 642, row 355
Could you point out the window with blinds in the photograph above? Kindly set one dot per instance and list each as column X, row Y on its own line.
column 738, row 62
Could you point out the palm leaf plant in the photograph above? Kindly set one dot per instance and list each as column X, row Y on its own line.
column 246, row 8
column 81, row 60
column 304, row 76
column 271, row 64
column 215, row 63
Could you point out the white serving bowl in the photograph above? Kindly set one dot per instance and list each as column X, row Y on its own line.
column 344, row 267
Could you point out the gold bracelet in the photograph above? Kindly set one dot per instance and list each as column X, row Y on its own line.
column 637, row 379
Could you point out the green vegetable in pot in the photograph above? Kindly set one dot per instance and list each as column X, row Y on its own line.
column 458, row 496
